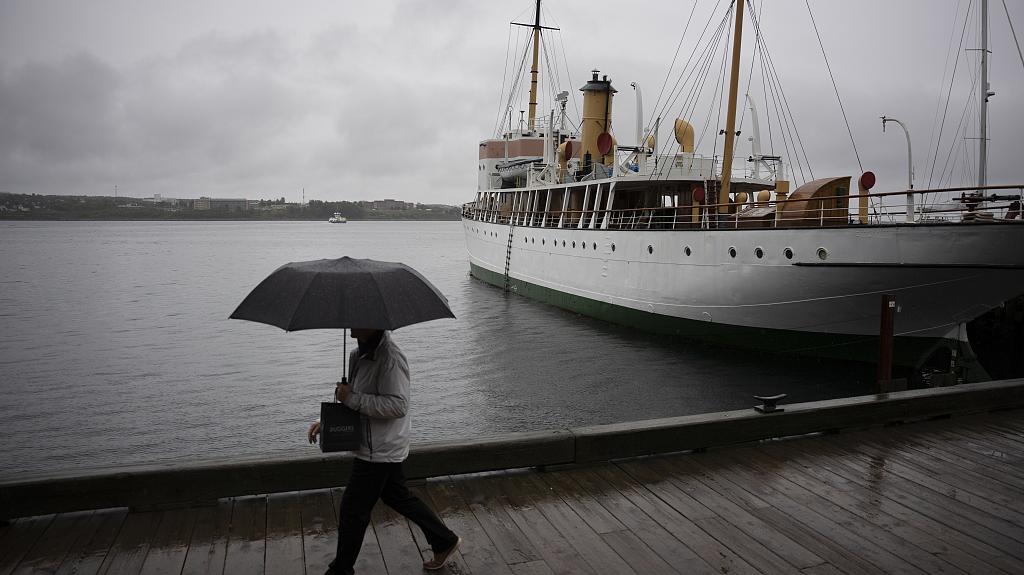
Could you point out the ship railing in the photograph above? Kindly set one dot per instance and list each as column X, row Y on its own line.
column 997, row 204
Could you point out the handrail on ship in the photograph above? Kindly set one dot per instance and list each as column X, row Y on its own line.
column 820, row 212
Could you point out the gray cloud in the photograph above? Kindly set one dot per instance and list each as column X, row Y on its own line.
column 390, row 98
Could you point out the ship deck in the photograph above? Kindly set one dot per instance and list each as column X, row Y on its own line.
column 943, row 496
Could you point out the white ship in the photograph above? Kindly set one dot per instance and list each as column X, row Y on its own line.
column 723, row 251
column 337, row 218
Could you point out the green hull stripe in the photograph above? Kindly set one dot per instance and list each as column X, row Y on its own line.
column 909, row 351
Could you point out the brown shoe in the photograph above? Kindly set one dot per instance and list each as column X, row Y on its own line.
column 441, row 557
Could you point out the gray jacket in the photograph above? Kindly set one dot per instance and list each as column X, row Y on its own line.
column 380, row 393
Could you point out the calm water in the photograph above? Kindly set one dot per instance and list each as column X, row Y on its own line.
column 115, row 348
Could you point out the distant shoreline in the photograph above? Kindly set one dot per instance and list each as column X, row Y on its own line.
column 350, row 220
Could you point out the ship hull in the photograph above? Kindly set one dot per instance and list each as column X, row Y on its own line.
column 823, row 301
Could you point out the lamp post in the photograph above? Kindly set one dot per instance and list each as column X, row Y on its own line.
column 910, row 168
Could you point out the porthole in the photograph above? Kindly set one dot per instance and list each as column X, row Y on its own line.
column 594, row 245
column 759, row 252
column 532, row 241
column 525, row 240
column 563, row 243
column 542, row 241
column 613, row 247
column 574, row 244
column 732, row 252
column 788, row 252
column 687, row 251
column 583, row 244
column 650, row 249
column 822, row 254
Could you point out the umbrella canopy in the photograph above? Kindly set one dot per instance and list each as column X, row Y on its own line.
column 343, row 293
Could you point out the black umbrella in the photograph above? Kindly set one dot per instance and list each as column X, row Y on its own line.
column 343, row 293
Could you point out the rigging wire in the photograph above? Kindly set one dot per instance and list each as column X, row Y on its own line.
column 932, row 139
column 786, row 122
column 949, row 92
column 504, row 78
column 670, row 101
column 668, row 73
column 719, row 94
column 750, row 74
column 848, row 130
column 1014, row 32
column 699, row 72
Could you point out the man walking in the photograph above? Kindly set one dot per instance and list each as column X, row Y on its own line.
column 379, row 391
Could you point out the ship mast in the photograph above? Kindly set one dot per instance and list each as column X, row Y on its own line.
column 985, row 93
column 532, row 118
column 533, row 69
column 730, row 119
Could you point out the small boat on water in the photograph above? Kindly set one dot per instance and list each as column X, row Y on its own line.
column 337, row 218
column 662, row 238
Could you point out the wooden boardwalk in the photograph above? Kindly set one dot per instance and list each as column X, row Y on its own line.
column 945, row 496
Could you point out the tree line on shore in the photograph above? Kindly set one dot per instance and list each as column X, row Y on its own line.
column 54, row 207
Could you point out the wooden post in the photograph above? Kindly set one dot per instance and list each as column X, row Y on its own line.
column 885, row 341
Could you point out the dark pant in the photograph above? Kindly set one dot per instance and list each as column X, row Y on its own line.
column 368, row 483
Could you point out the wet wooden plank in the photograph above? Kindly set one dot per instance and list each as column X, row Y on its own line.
column 976, row 450
column 717, row 555
column 822, row 501
column 591, row 511
column 87, row 554
column 873, row 506
column 247, row 537
column 789, row 499
column 209, row 543
column 401, row 554
column 489, row 505
column 370, row 560
column 908, row 452
column 667, row 490
column 319, row 529
column 641, row 558
column 18, row 538
column 657, row 538
column 995, row 531
column 284, row 535
column 170, row 544
column 934, row 517
column 684, row 473
column 532, row 568
column 129, row 549
column 559, row 555
column 889, row 457
column 49, row 550
column 478, row 553
column 456, row 564
column 671, row 489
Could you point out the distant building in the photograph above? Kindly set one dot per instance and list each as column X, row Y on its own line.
column 390, row 204
column 230, row 204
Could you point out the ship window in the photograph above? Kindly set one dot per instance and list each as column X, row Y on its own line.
column 563, row 244
column 759, row 252
column 822, row 254
column 573, row 244
column 584, row 244
column 532, row 241
column 613, row 247
column 788, row 252
column 650, row 249
column 732, row 252
column 594, row 245
column 687, row 250
column 542, row 241
column 525, row 240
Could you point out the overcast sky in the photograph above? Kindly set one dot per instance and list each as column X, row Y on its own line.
column 364, row 100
